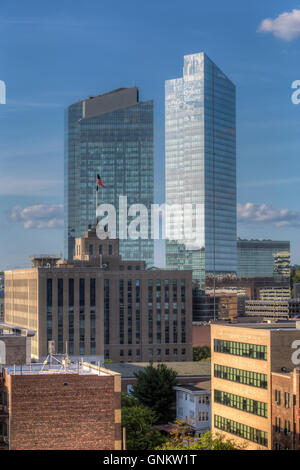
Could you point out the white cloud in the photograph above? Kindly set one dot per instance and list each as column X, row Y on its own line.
column 285, row 26
column 39, row 216
column 265, row 214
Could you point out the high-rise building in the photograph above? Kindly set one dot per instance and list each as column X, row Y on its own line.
column 110, row 134
column 200, row 141
column 263, row 258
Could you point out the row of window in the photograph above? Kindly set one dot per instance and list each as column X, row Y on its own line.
column 287, row 398
column 151, row 352
column 287, row 426
column 246, row 377
column 241, row 403
column 241, row 430
column 254, row 351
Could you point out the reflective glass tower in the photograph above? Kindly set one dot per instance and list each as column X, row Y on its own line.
column 200, row 141
column 110, row 134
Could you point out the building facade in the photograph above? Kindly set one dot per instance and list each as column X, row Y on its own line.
column 244, row 357
column 193, row 406
column 99, row 306
column 275, row 309
column 77, row 407
column 286, row 410
column 200, row 141
column 110, row 134
column 263, row 258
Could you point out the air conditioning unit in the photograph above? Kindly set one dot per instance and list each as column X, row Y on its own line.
column 5, row 439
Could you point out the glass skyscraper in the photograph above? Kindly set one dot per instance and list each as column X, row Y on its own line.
column 110, row 134
column 263, row 258
column 200, row 141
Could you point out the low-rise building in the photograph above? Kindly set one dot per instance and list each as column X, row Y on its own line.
column 60, row 407
column 245, row 358
column 193, row 406
column 188, row 373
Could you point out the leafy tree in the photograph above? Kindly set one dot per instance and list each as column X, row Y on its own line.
column 181, row 438
column 108, row 361
column 201, row 352
column 154, row 389
column 138, row 421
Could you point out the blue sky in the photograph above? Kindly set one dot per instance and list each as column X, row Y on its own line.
column 54, row 53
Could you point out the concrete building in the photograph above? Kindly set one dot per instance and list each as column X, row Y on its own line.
column 274, row 309
column 244, row 357
column 58, row 407
column 101, row 306
column 193, row 406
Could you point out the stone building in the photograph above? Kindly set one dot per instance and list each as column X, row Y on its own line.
column 99, row 306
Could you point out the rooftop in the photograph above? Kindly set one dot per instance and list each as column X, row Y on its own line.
column 198, row 387
column 183, row 369
column 80, row 368
column 282, row 326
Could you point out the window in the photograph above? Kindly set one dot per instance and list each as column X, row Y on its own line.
column 241, row 430
column 246, row 377
column 241, row 403
column 277, row 397
column 253, row 351
column 110, row 249
column 100, row 250
column 287, row 399
column 287, row 427
column 277, row 424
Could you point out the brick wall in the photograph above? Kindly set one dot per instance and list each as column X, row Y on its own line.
column 64, row 411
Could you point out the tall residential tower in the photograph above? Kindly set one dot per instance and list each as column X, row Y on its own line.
column 201, row 170
column 110, row 134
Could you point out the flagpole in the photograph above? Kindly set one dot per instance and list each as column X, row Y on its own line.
column 96, row 201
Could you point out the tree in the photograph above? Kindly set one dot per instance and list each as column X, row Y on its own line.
column 201, row 352
column 138, row 421
column 154, row 388
column 181, row 438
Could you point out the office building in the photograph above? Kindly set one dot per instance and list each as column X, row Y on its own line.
column 276, row 309
column 244, row 358
column 99, row 306
column 263, row 258
column 200, row 146
column 60, row 407
column 112, row 135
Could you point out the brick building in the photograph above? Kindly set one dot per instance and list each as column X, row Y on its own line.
column 102, row 306
column 286, row 410
column 55, row 408
column 245, row 360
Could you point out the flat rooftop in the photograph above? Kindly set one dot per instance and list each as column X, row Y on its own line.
column 183, row 369
column 198, row 387
column 284, row 326
column 84, row 368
